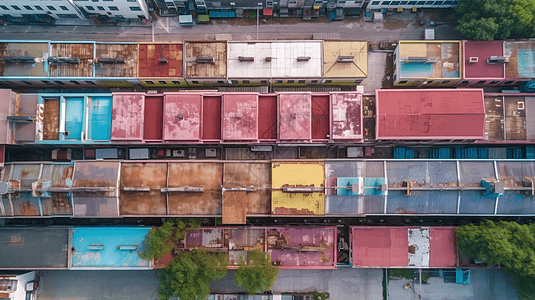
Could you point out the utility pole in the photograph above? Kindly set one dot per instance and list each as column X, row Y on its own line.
column 258, row 18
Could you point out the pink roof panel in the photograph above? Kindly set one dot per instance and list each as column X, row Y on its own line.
column 240, row 116
column 295, row 116
column 483, row 50
column 430, row 114
column 380, row 247
column 127, row 116
column 442, row 251
column 182, row 117
column 346, row 116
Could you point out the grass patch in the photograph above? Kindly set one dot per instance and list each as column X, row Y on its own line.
column 384, row 286
column 402, row 273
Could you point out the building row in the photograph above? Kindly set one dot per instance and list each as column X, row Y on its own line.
column 236, row 190
column 290, row 247
column 32, row 10
column 178, row 64
column 174, row 121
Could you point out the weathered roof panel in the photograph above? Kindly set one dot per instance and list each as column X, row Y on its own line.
column 151, row 56
column 430, row 114
column 37, row 51
column 255, row 175
column 143, row 175
column 379, row 247
column 240, row 116
column 126, row 52
column 82, row 51
column 35, row 248
column 215, row 50
column 127, row 116
column 346, row 116
column 182, row 117
column 295, row 121
column 521, row 63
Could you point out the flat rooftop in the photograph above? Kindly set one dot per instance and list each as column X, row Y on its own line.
column 521, row 59
column 482, row 50
column 430, row 114
column 198, row 68
column 37, row 53
column 418, row 247
column 442, row 59
column 277, row 59
column 509, row 118
column 34, row 248
column 108, row 248
column 345, row 59
column 83, row 67
column 160, row 60
column 116, row 60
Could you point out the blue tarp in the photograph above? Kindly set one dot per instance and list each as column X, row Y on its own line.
column 222, row 14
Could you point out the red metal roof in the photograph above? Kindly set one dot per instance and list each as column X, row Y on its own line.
column 380, row 246
column 442, row 251
column 240, row 116
column 483, row 50
column 430, row 114
column 268, row 11
column 150, row 54
column 346, row 116
column 127, row 116
column 182, row 117
column 295, row 116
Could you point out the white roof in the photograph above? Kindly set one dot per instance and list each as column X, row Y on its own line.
column 283, row 64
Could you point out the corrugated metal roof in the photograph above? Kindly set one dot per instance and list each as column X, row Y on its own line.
column 35, row 248
column 126, row 52
column 295, row 121
column 282, row 59
column 530, row 118
column 482, row 50
column 182, row 117
column 143, row 175
column 357, row 68
column 521, row 63
column 443, row 251
column 234, row 207
column 346, row 116
column 37, row 51
column 297, row 174
column 430, row 114
column 82, row 51
column 253, row 175
column 127, row 116
column 422, row 202
column 240, row 117
column 354, row 205
column 149, row 60
column 215, row 50
column 516, row 203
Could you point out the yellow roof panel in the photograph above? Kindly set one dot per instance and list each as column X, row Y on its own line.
column 332, row 68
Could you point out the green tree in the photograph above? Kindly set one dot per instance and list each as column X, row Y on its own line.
column 495, row 19
column 189, row 274
column 259, row 275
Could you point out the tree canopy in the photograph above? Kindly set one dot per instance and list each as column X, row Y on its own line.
column 189, row 274
column 257, row 276
column 495, row 19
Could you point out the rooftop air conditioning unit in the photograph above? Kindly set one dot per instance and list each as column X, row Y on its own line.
column 473, row 60
column 163, row 60
column 303, row 58
column 345, row 59
column 497, row 60
column 205, row 60
column 245, row 58
column 64, row 60
column 115, row 60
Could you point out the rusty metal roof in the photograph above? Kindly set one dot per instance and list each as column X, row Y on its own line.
column 295, row 121
column 198, row 69
column 125, row 52
column 135, row 177
column 82, row 51
column 240, row 116
column 183, row 114
column 37, row 51
column 162, row 60
column 346, row 116
column 307, row 175
column 430, row 114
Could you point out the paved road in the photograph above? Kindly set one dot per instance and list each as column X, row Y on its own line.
column 170, row 31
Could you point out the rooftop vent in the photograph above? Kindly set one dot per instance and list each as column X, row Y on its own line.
column 473, row 60
column 115, row 60
column 497, row 60
column 64, row 60
column 268, row 58
column 345, row 59
column 245, row 58
column 205, row 60
column 163, row 60
column 18, row 59
column 303, row 58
